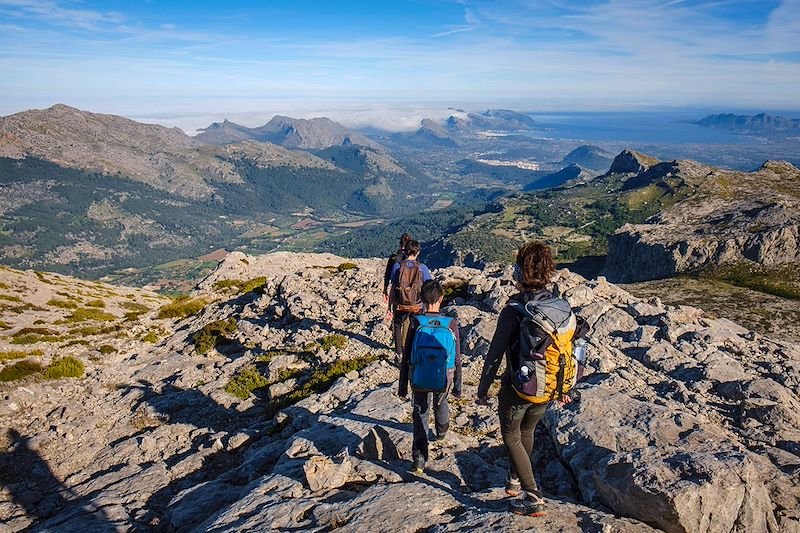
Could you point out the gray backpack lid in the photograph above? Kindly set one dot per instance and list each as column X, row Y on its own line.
column 553, row 315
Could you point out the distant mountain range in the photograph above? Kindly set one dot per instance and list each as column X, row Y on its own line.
column 761, row 123
column 449, row 132
column 94, row 192
column 315, row 133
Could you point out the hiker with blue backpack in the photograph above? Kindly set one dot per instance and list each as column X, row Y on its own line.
column 432, row 363
column 543, row 343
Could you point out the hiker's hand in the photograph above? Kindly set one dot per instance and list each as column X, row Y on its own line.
column 389, row 316
column 565, row 400
column 385, row 298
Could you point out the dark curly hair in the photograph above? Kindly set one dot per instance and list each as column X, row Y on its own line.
column 405, row 238
column 536, row 267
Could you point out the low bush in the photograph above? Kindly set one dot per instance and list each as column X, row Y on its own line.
column 100, row 304
column 151, row 337
column 135, row 307
column 34, row 335
column 241, row 286
column 333, row 341
column 65, row 367
column 3, row 325
column 225, row 284
column 455, row 289
column 84, row 314
column 182, row 307
column 214, row 333
column 322, row 378
column 346, row 266
column 254, row 285
column 19, row 354
column 10, row 298
column 76, row 342
column 106, row 349
column 20, row 370
column 245, row 382
column 63, row 304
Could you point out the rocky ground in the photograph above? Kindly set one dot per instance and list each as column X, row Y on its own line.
column 273, row 408
column 730, row 218
column 770, row 315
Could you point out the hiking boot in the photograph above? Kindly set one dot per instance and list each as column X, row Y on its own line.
column 513, row 486
column 530, row 505
column 440, row 436
column 419, row 465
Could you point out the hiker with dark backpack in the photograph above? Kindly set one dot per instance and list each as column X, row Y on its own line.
column 537, row 334
column 394, row 258
column 432, row 363
column 405, row 301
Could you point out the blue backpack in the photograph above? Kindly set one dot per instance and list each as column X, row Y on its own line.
column 433, row 354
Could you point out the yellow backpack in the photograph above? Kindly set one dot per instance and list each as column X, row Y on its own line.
column 546, row 368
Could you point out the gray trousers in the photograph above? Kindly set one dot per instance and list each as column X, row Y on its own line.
column 422, row 408
column 518, row 420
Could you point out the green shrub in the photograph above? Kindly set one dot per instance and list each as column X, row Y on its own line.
column 245, row 382
column 76, row 342
column 10, row 298
column 288, row 373
column 135, row 307
column 100, row 304
column 322, row 378
column 63, row 304
column 65, row 367
column 182, row 307
column 3, row 325
column 18, row 354
column 333, row 341
column 84, row 314
column 225, row 284
column 106, row 349
column 4, row 286
column 34, row 335
column 254, row 285
column 453, row 290
column 213, row 333
column 241, row 286
column 347, row 266
column 151, row 337
column 20, row 370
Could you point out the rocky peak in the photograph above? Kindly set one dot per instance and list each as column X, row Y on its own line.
column 780, row 167
column 631, row 162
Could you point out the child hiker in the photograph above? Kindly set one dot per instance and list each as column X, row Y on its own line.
column 432, row 363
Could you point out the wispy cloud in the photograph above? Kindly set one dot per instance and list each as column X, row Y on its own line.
column 720, row 52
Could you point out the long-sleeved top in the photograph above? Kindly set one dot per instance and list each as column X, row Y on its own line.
column 505, row 336
column 399, row 255
column 405, row 366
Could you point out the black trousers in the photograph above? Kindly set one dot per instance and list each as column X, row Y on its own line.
column 421, row 416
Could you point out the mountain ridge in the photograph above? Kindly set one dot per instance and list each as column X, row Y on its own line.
column 316, row 133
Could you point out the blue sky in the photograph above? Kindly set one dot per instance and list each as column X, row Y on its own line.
column 190, row 62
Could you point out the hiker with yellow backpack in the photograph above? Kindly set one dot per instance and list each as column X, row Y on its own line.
column 543, row 343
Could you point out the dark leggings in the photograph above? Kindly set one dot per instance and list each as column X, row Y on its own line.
column 518, row 420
